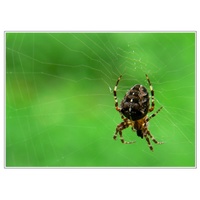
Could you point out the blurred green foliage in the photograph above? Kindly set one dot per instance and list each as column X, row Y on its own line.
column 60, row 107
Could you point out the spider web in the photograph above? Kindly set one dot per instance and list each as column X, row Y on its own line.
column 59, row 98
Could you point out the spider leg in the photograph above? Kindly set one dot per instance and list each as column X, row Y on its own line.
column 122, row 116
column 116, row 100
column 154, row 140
column 119, row 129
column 148, row 141
column 153, row 115
column 152, row 95
column 115, row 94
column 146, row 134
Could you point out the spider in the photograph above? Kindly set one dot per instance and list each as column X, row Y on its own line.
column 133, row 110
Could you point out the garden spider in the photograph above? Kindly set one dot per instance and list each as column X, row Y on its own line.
column 133, row 110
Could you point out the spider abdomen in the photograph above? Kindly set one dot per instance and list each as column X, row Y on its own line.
column 135, row 104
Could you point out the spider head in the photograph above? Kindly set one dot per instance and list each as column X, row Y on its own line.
column 139, row 133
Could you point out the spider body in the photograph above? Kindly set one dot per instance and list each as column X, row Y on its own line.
column 133, row 110
column 135, row 104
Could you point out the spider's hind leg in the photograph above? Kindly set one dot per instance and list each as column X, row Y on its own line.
column 115, row 94
column 152, row 94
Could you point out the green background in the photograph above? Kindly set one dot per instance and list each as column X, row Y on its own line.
column 59, row 98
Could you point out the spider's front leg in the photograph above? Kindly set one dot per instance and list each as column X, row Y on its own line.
column 147, row 133
column 119, row 129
